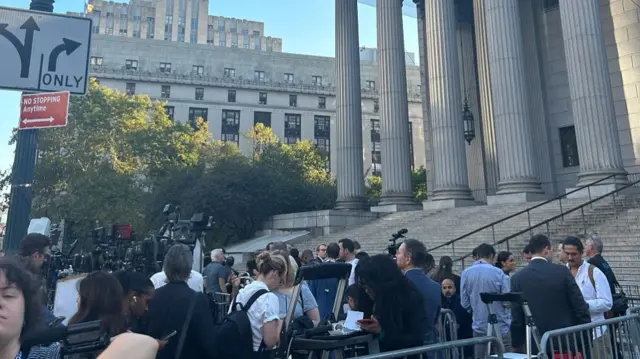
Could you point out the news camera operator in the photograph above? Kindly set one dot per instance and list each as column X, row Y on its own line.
column 216, row 273
column 20, row 312
column 35, row 250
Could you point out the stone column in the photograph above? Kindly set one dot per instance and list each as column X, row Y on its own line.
column 394, row 110
column 350, row 176
column 451, row 177
column 510, row 104
column 591, row 94
column 492, row 174
column 424, row 94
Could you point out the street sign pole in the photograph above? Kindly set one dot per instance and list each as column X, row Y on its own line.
column 24, row 167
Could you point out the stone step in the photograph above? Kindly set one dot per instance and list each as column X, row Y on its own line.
column 617, row 222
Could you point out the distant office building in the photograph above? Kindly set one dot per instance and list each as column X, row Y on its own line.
column 177, row 21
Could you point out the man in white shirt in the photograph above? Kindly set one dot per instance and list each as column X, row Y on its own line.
column 348, row 255
column 195, row 282
column 595, row 290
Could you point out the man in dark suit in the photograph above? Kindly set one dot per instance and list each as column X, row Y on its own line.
column 411, row 259
column 551, row 291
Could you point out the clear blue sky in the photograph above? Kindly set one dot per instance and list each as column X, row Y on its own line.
column 305, row 27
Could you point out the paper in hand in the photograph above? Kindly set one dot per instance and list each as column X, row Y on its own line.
column 351, row 323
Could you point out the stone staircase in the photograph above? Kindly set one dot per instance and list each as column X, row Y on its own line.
column 617, row 223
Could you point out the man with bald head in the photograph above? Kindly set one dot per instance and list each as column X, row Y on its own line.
column 216, row 273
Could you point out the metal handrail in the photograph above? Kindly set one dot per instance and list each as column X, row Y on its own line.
column 527, row 211
column 562, row 214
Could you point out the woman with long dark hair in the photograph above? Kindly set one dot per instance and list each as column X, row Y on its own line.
column 100, row 298
column 445, row 271
column 399, row 319
column 507, row 262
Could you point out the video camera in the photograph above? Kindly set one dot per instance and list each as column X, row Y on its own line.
column 393, row 247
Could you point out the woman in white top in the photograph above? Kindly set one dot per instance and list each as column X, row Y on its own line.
column 264, row 313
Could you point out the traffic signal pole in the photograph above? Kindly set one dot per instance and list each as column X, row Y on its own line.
column 23, row 172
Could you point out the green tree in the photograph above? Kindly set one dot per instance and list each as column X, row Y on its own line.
column 104, row 165
column 373, row 188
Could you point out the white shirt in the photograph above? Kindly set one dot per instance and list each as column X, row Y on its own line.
column 352, row 276
column 598, row 298
column 195, row 281
column 264, row 310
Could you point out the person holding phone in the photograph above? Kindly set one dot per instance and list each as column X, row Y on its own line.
column 399, row 319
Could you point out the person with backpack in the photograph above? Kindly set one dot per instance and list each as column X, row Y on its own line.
column 252, row 327
column 596, row 292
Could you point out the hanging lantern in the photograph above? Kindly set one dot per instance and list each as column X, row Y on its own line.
column 467, row 118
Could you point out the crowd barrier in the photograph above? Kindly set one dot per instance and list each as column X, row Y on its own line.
column 222, row 303
column 633, row 294
column 437, row 350
column 447, row 326
column 615, row 338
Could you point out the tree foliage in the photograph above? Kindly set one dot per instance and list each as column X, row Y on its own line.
column 418, row 185
column 121, row 159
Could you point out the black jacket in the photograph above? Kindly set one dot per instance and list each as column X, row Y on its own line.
column 604, row 266
column 168, row 311
column 414, row 324
column 553, row 295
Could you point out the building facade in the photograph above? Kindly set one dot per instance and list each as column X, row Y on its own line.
column 236, row 88
column 552, row 87
column 178, row 21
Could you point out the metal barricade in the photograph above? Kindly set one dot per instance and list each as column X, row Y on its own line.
column 633, row 294
column 633, row 310
column 616, row 338
column 437, row 350
column 447, row 326
column 222, row 303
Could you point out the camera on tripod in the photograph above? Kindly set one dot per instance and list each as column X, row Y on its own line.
column 393, row 247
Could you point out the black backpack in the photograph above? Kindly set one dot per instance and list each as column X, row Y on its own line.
column 234, row 333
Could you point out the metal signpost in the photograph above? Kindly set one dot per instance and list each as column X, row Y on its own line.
column 41, row 52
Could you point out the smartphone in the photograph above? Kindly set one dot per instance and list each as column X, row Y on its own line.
column 168, row 336
column 365, row 321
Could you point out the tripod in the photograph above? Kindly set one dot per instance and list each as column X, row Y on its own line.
column 493, row 328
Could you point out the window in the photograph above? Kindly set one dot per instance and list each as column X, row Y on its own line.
column 258, row 76
column 317, row 80
column 292, row 128
column 198, row 70
column 569, row 147
column 322, row 138
column 151, row 24
column 263, row 118
column 165, row 67
column 231, row 126
column 376, row 158
column 376, row 106
column 131, row 88
column 131, row 64
column 262, row 98
column 96, row 61
column 293, row 100
column 371, row 85
column 411, row 145
column 256, row 34
column 231, row 96
column 195, row 113
column 165, row 91
column 169, row 110
column 322, row 102
column 551, row 4
column 199, row 93
column 229, row 72
column 288, row 78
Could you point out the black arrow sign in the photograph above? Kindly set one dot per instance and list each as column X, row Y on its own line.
column 67, row 45
column 24, row 49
